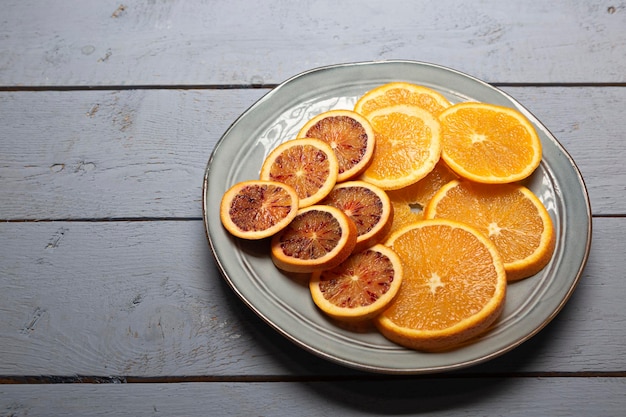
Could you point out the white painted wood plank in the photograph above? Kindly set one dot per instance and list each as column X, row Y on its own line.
column 110, row 154
column 228, row 42
column 145, row 299
column 599, row 397
column 142, row 153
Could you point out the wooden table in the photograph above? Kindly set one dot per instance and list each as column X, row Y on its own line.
column 110, row 300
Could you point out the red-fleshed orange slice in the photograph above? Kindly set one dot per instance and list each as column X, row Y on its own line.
column 319, row 237
column 258, row 209
column 360, row 287
column 367, row 206
column 308, row 165
column 349, row 134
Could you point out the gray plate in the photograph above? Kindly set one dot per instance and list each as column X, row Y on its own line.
column 284, row 302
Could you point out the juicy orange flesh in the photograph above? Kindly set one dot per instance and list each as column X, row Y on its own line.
column 502, row 213
column 402, row 145
column 359, row 281
column 257, row 208
column 360, row 204
column 449, row 276
column 305, row 168
column 403, row 215
column 408, row 202
column 403, row 96
column 345, row 135
column 422, row 191
column 487, row 142
column 311, row 235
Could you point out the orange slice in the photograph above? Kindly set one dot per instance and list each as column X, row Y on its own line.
column 319, row 237
column 258, row 209
column 453, row 287
column 349, row 134
column 367, row 206
column 488, row 143
column 360, row 287
column 308, row 165
column 509, row 214
column 407, row 146
column 409, row 202
column 394, row 93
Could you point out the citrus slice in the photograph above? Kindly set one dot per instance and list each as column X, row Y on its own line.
column 258, row 209
column 394, row 93
column 453, row 287
column 509, row 214
column 349, row 134
column 360, row 287
column 308, row 165
column 408, row 203
column 407, row 146
column 367, row 206
column 403, row 215
column 319, row 237
column 488, row 143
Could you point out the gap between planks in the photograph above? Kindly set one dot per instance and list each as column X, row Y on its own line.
column 91, row 379
column 6, row 88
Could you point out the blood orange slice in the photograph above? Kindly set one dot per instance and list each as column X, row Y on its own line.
column 360, row 287
column 308, row 165
column 349, row 134
column 319, row 237
column 367, row 206
column 258, row 209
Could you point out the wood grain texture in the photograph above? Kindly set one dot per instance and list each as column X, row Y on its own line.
column 93, row 154
column 145, row 299
column 228, row 42
column 598, row 397
column 142, row 153
column 109, row 111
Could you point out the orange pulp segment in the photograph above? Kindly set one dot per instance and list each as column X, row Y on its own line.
column 509, row 214
column 394, row 93
column 453, row 288
column 488, row 143
column 408, row 146
column 408, row 203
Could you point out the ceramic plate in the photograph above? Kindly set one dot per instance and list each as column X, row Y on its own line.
column 284, row 302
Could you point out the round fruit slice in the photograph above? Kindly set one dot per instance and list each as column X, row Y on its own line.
column 360, row 287
column 349, row 134
column 408, row 146
column 409, row 202
column 394, row 93
column 453, row 288
column 367, row 206
column 509, row 214
column 319, row 237
column 488, row 143
column 258, row 209
column 308, row 165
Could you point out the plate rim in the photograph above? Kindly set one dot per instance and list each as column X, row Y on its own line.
column 353, row 363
